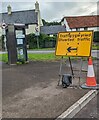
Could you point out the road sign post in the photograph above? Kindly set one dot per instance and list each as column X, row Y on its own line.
column 74, row 44
column 37, row 34
column 4, row 34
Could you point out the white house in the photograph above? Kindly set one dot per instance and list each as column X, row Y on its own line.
column 76, row 23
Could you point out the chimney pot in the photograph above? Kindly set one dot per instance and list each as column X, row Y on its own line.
column 9, row 9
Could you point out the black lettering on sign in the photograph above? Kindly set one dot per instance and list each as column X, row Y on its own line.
column 64, row 40
column 83, row 39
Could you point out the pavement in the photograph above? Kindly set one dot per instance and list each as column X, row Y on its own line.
column 31, row 91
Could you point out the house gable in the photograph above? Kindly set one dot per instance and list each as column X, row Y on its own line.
column 23, row 17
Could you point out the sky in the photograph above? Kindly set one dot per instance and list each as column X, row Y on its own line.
column 54, row 11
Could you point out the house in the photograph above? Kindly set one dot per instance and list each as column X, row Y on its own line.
column 52, row 30
column 76, row 23
column 31, row 18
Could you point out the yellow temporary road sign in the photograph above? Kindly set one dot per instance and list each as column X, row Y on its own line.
column 74, row 43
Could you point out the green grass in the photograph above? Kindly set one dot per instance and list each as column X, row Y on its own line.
column 40, row 57
column 34, row 57
column 95, row 47
column 43, row 57
column 4, row 57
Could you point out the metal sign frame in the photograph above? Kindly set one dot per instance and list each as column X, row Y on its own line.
column 71, row 68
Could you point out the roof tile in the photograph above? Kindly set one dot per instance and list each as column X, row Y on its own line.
column 83, row 21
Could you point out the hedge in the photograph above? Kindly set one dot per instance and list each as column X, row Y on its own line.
column 45, row 41
column 96, row 36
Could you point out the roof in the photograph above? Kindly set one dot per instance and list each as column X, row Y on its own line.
column 23, row 17
column 83, row 21
column 52, row 29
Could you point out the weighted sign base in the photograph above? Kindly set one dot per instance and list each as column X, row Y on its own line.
column 90, row 87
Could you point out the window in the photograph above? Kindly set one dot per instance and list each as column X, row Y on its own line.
column 77, row 29
column 85, row 28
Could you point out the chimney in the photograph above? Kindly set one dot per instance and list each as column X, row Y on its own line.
column 9, row 9
column 36, row 6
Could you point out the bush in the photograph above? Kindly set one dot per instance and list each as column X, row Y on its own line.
column 31, row 41
column 45, row 41
column 96, row 36
column 2, row 42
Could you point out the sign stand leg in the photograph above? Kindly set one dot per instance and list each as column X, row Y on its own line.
column 71, row 67
column 61, row 62
column 80, row 70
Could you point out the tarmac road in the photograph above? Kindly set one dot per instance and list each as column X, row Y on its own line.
column 91, row 110
column 31, row 91
column 95, row 53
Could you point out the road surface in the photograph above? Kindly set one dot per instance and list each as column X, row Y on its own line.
column 95, row 53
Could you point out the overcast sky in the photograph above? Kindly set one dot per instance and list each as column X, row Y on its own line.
column 54, row 11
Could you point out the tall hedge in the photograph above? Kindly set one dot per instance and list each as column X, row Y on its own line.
column 96, row 36
column 44, row 41
column 2, row 42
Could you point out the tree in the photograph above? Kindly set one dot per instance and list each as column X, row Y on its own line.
column 45, row 23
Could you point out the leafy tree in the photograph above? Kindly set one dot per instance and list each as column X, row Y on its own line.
column 45, row 23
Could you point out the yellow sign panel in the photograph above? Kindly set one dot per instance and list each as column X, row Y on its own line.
column 74, row 43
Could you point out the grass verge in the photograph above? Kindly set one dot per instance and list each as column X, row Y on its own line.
column 34, row 57
column 41, row 57
column 4, row 57
column 95, row 47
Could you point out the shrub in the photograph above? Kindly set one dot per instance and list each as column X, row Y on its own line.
column 44, row 41
column 96, row 36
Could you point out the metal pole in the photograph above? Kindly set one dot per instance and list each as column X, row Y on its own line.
column 71, row 67
column 60, row 70
column 37, row 42
column 4, row 33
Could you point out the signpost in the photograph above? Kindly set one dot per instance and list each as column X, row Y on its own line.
column 74, row 43
column 37, row 34
column 4, row 34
